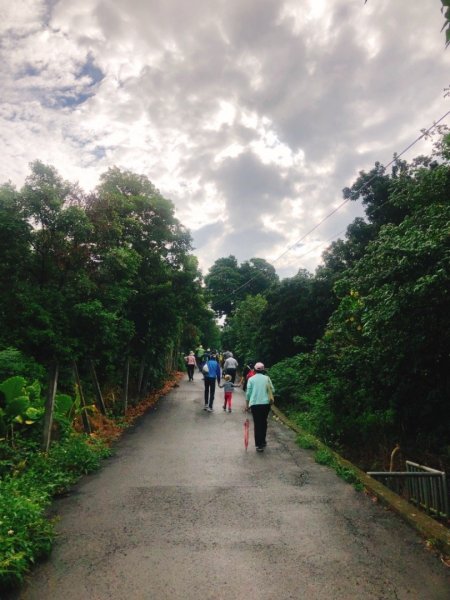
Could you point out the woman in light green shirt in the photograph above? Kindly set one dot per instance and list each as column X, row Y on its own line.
column 259, row 395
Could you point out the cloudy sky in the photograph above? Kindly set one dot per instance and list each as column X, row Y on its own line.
column 251, row 115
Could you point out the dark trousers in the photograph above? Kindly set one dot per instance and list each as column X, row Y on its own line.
column 190, row 370
column 260, row 413
column 232, row 373
column 210, row 390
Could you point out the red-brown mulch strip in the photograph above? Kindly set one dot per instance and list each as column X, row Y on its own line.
column 108, row 430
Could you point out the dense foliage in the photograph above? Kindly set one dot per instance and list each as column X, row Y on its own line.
column 359, row 351
column 107, row 280
column 100, row 277
column 28, row 481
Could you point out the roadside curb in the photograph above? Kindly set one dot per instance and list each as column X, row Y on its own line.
column 435, row 533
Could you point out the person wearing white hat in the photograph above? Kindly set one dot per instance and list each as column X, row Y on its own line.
column 259, row 396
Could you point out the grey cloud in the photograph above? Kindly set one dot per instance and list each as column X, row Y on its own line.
column 249, row 186
column 207, row 234
column 169, row 66
column 249, row 242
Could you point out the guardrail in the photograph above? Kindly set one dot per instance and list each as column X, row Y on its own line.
column 422, row 486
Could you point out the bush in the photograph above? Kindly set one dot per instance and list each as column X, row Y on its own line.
column 13, row 362
column 25, row 533
column 289, row 378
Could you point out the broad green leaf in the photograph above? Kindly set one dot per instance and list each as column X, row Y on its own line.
column 13, row 387
column 63, row 404
column 17, row 406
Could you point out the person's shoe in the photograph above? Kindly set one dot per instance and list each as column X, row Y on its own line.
column 259, row 449
column 224, row 407
column 229, row 410
column 209, row 409
column 205, row 407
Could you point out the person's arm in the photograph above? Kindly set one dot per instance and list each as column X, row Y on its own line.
column 248, row 394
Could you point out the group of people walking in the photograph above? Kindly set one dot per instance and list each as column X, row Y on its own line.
column 255, row 382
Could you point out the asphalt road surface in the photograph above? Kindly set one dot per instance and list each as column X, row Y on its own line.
column 183, row 512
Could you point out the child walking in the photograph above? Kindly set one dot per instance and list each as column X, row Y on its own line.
column 228, row 387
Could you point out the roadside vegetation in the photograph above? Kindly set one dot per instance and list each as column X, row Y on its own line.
column 358, row 351
column 103, row 285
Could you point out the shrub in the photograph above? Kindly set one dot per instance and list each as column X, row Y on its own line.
column 13, row 362
column 25, row 533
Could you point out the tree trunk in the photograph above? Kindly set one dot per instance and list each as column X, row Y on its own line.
column 86, row 424
column 49, row 406
column 141, row 377
column 100, row 402
column 125, row 387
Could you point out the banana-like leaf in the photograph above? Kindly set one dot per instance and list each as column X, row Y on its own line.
column 13, row 387
column 17, row 406
column 34, row 392
column 63, row 404
column 34, row 413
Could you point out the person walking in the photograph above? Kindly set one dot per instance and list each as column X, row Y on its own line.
column 248, row 372
column 228, row 388
column 190, row 364
column 199, row 353
column 259, row 396
column 211, row 373
column 230, row 367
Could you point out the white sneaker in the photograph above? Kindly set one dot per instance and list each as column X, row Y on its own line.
column 205, row 407
column 210, row 409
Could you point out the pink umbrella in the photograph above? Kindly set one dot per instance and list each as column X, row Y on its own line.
column 246, row 429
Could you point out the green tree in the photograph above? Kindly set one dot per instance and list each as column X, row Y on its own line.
column 243, row 330
column 380, row 373
column 287, row 324
column 223, row 278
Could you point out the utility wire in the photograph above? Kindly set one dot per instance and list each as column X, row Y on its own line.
column 424, row 133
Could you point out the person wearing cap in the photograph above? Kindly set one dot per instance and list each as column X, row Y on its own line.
column 259, row 395
column 249, row 371
column 199, row 352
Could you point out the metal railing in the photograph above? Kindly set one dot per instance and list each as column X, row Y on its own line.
column 422, row 486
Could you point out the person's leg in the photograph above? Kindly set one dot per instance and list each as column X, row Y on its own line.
column 232, row 372
column 205, row 382
column 191, row 372
column 265, row 416
column 227, row 400
column 258, row 424
column 230, row 398
column 212, row 391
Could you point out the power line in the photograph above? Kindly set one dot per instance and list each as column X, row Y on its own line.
column 424, row 133
column 397, row 156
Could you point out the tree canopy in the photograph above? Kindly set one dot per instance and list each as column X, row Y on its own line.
column 99, row 276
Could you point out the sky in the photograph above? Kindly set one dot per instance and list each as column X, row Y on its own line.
column 250, row 115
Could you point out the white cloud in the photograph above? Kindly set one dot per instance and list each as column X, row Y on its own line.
column 252, row 117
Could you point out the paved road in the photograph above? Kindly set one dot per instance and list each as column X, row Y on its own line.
column 183, row 512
